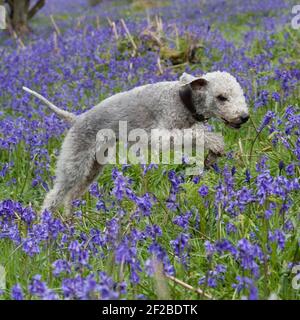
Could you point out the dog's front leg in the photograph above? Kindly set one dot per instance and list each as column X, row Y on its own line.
column 213, row 142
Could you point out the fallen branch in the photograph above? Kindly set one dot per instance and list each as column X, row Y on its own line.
column 153, row 36
column 189, row 287
column 17, row 39
column 79, row 22
column 98, row 22
column 159, row 24
column 129, row 35
column 56, row 49
column 160, row 68
column 114, row 27
column 112, row 24
column 55, row 25
column 109, row 21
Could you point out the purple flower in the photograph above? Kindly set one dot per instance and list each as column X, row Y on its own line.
column 209, row 248
column 17, row 292
column 196, row 179
column 145, row 204
column 180, row 247
column 121, row 184
column 153, row 231
column 281, row 165
column 160, row 254
column 250, row 255
column 276, row 96
column 248, row 175
column 288, row 226
column 37, row 287
column 182, row 220
column 61, row 266
column 277, row 236
column 230, row 228
column 213, row 276
column 262, row 99
column 150, row 266
column 290, row 169
column 269, row 116
column 203, row 191
column 248, row 284
column 226, row 246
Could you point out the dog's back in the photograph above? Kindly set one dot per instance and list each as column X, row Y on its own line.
column 141, row 107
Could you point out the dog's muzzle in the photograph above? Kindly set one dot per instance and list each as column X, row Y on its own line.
column 236, row 124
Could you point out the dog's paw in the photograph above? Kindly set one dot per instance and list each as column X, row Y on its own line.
column 210, row 160
column 217, row 149
column 215, row 143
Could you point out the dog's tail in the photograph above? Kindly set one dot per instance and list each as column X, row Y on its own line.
column 68, row 116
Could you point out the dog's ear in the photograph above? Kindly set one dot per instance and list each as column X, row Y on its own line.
column 195, row 83
column 186, row 78
column 186, row 96
column 198, row 84
column 186, row 91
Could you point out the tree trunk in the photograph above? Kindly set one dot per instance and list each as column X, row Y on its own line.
column 94, row 2
column 21, row 13
column 20, row 16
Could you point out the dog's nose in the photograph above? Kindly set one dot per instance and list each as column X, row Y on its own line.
column 244, row 118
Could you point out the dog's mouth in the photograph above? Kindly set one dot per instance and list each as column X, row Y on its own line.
column 232, row 124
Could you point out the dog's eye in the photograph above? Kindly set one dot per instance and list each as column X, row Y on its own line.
column 222, row 98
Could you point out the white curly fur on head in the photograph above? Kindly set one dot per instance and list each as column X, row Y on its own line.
column 226, row 96
column 222, row 97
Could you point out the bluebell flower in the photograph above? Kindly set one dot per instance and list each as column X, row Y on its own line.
column 61, row 266
column 17, row 292
column 203, row 191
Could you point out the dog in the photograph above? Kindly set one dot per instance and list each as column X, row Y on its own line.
column 186, row 103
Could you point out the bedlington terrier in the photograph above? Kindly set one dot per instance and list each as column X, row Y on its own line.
column 181, row 104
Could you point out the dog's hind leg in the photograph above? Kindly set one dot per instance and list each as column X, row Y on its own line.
column 55, row 197
column 73, row 169
column 81, row 187
column 62, row 186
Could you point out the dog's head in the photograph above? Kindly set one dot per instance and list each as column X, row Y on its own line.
column 216, row 94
